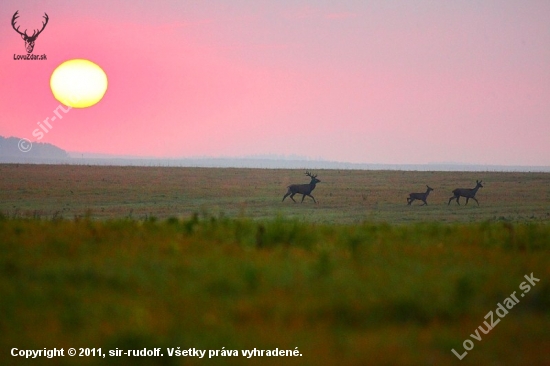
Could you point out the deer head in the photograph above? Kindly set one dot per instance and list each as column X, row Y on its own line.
column 29, row 40
column 479, row 183
column 429, row 188
column 313, row 178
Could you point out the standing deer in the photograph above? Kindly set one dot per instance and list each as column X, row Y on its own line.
column 419, row 196
column 303, row 189
column 29, row 40
column 466, row 192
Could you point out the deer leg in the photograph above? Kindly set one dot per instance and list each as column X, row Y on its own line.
column 285, row 196
column 475, row 200
column 312, row 198
column 410, row 200
column 452, row 198
column 425, row 203
column 467, row 199
column 292, row 197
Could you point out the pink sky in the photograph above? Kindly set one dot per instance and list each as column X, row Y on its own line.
column 356, row 81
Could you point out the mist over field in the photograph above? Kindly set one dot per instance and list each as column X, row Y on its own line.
column 50, row 154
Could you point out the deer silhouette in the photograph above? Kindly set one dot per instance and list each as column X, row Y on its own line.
column 466, row 192
column 303, row 189
column 29, row 40
column 419, row 196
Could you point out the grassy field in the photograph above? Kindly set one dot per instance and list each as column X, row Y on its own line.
column 345, row 196
column 134, row 258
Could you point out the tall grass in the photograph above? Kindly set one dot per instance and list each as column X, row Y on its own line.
column 368, row 293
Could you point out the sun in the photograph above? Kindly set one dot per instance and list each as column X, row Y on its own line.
column 78, row 83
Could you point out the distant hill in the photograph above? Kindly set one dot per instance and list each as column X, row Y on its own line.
column 44, row 153
column 16, row 150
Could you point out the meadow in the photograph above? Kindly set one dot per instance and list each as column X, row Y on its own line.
column 134, row 258
column 344, row 196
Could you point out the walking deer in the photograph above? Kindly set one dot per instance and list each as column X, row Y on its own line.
column 419, row 196
column 303, row 189
column 466, row 192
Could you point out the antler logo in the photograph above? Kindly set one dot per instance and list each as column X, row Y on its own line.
column 29, row 40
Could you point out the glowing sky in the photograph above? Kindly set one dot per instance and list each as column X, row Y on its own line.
column 355, row 81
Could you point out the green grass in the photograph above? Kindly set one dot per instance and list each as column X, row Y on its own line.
column 134, row 258
column 344, row 196
column 343, row 294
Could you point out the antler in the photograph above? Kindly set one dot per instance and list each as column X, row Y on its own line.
column 34, row 34
column 310, row 175
column 15, row 16
column 43, row 25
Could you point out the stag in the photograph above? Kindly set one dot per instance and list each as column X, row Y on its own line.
column 29, row 40
column 466, row 192
column 419, row 196
column 303, row 189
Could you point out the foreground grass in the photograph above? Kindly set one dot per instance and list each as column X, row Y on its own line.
column 369, row 293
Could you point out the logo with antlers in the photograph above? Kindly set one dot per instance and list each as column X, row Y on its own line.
column 29, row 40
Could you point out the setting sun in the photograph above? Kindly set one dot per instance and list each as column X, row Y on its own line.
column 78, row 83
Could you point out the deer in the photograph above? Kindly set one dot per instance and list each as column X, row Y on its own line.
column 466, row 192
column 419, row 196
column 29, row 40
column 303, row 189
